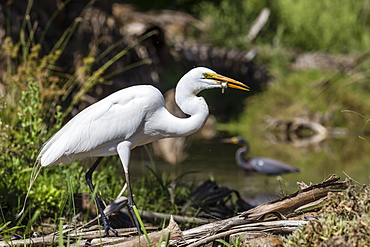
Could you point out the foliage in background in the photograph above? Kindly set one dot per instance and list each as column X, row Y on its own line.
column 290, row 96
column 228, row 21
column 330, row 26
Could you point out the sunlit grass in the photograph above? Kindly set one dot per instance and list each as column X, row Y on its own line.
column 329, row 26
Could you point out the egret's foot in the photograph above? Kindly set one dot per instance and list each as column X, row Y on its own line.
column 108, row 228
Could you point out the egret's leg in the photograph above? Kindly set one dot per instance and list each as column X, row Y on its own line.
column 124, row 151
column 131, row 203
column 98, row 202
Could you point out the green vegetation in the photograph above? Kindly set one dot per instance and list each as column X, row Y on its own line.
column 30, row 113
column 305, row 93
column 329, row 26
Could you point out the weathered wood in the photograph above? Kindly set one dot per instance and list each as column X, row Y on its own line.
column 289, row 203
column 147, row 215
column 172, row 230
column 267, row 211
column 272, row 217
column 261, row 227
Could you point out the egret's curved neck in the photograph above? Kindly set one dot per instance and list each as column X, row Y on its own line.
column 167, row 125
column 192, row 105
column 188, row 101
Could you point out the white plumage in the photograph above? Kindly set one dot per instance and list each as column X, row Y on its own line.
column 97, row 130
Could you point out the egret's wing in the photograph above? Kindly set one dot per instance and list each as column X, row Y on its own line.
column 114, row 118
column 271, row 166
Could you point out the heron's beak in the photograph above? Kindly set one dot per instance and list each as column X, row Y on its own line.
column 232, row 140
column 226, row 82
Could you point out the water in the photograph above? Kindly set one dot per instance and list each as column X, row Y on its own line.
column 213, row 159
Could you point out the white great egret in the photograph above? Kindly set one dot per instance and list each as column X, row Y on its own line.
column 129, row 118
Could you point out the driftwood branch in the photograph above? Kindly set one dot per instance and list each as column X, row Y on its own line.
column 289, row 203
column 147, row 215
column 275, row 217
column 263, row 227
column 278, row 209
column 173, row 231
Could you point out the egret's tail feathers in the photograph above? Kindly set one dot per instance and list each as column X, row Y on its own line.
column 35, row 172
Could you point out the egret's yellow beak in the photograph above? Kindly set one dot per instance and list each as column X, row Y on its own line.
column 233, row 140
column 226, row 82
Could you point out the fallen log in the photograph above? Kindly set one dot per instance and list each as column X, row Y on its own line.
column 172, row 232
column 278, row 209
column 281, row 216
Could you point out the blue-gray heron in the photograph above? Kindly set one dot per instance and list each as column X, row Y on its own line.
column 261, row 165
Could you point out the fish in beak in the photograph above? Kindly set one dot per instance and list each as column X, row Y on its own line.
column 226, row 82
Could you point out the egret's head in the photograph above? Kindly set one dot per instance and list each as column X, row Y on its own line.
column 201, row 78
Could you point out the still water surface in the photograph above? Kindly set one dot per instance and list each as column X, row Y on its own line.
column 211, row 158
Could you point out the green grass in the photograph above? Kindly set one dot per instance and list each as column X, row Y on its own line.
column 331, row 26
